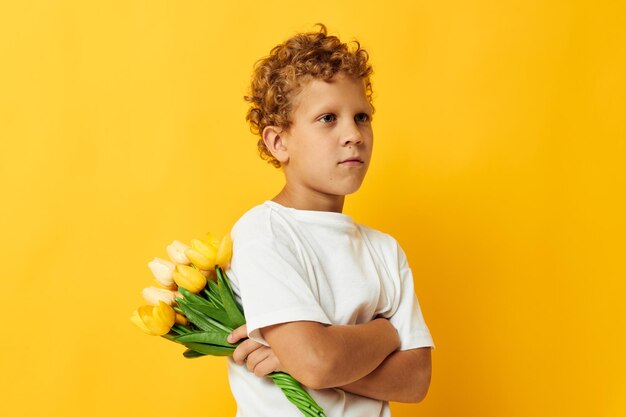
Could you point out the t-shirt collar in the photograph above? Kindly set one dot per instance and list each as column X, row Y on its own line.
column 316, row 216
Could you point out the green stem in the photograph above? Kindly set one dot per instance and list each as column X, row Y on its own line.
column 219, row 325
column 180, row 329
column 216, row 302
column 296, row 394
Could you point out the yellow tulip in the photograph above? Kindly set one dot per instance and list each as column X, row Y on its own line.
column 154, row 320
column 201, row 254
column 207, row 250
column 189, row 278
column 176, row 252
column 139, row 323
column 180, row 319
column 197, row 258
column 162, row 270
column 153, row 295
column 225, row 252
column 212, row 240
column 164, row 313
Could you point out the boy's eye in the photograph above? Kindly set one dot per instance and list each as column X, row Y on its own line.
column 363, row 117
column 327, row 118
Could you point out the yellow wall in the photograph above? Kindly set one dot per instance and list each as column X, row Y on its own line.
column 499, row 137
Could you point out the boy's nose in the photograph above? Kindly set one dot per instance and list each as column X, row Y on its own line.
column 352, row 135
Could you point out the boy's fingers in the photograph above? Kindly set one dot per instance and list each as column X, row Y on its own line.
column 262, row 369
column 257, row 357
column 240, row 332
column 243, row 350
column 266, row 366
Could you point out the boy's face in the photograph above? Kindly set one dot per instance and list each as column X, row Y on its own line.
column 329, row 144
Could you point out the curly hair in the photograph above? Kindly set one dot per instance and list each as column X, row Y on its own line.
column 279, row 77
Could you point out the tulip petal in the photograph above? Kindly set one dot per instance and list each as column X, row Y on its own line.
column 182, row 320
column 136, row 319
column 162, row 270
column 157, row 327
column 165, row 314
column 206, row 249
column 189, row 278
column 153, row 295
column 145, row 314
column 156, row 324
column 225, row 252
column 176, row 252
column 212, row 240
column 199, row 260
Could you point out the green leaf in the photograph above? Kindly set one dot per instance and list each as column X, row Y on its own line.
column 220, row 271
column 180, row 329
column 192, row 298
column 211, row 297
column 210, row 349
column 230, row 305
column 203, row 313
column 215, row 290
column 201, row 320
column 212, row 337
column 192, row 354
column 215, row 313
column 195, row 317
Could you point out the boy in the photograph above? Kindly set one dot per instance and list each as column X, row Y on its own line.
column 326, row 299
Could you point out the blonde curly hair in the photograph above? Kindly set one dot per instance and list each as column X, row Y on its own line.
column 279, row 77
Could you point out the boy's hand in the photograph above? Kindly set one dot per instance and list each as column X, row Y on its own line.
column 258, row 358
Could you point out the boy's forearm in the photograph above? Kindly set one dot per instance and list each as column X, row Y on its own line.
column 356, row 350
column 403, row 376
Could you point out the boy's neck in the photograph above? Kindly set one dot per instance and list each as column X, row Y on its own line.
column 318, row 202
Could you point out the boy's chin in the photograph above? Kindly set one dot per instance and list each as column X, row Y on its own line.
column 350, row 189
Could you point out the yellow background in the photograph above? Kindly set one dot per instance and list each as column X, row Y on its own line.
column 498, row 165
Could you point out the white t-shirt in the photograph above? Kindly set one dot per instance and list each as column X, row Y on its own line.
column 291, row 265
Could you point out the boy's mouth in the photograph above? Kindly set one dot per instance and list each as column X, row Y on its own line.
column 352, row 163
column 352, row 159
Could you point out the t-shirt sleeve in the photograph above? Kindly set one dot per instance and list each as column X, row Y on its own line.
column 408, row 318
column 274, row 286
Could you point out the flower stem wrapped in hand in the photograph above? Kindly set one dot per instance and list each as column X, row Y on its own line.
column 204, row 312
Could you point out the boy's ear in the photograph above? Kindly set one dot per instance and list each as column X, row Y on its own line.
column 276, row 142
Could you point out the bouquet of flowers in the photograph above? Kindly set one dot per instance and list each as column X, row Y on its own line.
column 195, row 306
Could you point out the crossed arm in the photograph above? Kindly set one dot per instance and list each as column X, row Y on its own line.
column 362, row 359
